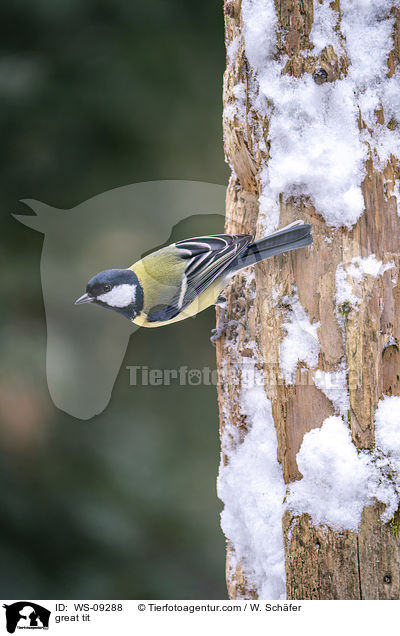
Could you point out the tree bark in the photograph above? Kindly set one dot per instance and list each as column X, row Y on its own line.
column 320, row 563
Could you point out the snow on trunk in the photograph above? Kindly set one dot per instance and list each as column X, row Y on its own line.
column 308, row 393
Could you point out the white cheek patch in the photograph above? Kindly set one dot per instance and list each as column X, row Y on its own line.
column 120, row 296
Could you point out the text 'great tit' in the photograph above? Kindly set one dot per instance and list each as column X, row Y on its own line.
column 181, row 280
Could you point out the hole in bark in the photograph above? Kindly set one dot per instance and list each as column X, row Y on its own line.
column 387, row 578
column 320, row 76
column 317, row 545
column 390, row 348
column 230, row 9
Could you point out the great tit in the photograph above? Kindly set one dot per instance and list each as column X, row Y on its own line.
column 181, row 280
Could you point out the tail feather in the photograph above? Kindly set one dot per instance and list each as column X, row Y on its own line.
column 289, row 238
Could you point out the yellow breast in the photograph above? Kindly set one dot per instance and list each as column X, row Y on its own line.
column 206, row 299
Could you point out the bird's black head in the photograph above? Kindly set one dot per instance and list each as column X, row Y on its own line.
column 117, row 289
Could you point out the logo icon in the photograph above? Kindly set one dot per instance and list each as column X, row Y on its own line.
column 26, row 615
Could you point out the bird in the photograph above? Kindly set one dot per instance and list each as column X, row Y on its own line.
column 186, row 277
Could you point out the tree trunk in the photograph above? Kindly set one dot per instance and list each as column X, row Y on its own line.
column 356, row 338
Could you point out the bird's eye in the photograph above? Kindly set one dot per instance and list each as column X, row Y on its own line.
column 106, row 288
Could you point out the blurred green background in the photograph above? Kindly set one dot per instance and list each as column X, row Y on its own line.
column 95, row 95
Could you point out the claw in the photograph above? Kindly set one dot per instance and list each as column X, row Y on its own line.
column 221, row 327
column 216, row 334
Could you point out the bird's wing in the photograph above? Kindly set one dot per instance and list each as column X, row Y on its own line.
column 207, row 257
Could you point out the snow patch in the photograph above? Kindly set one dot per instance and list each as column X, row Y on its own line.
column 323, row 30
column 387, row 441
column 316, row 147
column 233, row 48
column 339, row 480
column 359, row 267
column 334, row 487
column 397, row 194
column 356, row 270
column 334, row 385
column 237, row 109
column 301, row 342
column 259, row 25
column 252, row 488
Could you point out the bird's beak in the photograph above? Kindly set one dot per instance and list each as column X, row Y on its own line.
column 84, row 299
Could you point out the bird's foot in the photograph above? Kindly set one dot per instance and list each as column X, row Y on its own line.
column 221, row 327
